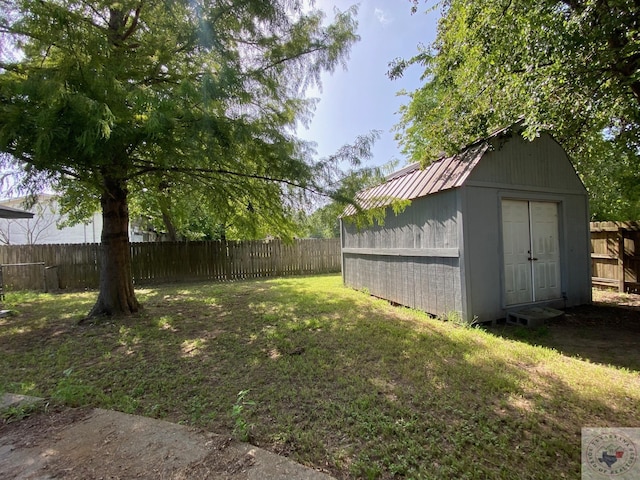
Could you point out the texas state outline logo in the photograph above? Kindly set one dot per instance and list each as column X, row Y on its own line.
column 610, row 454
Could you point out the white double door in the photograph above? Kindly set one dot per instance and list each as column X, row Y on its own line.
column 531, row 251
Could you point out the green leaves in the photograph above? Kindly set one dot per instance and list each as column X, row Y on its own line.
column 202, row 96
column 571, row 68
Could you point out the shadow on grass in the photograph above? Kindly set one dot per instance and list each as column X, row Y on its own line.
column 454, row 397
column 340, row 380
column 599, row 333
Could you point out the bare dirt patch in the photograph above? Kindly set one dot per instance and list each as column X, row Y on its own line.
column 607, row 332
column 77, row 444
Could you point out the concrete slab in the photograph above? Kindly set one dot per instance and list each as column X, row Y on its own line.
column 12, row 400
column 532, row 316
column 95, row 443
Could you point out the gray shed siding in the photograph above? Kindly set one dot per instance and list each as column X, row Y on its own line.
column 444, row 252
column 484, row 282
column 429, row 222
column 522, row 170
column 541, row 165
column 430, row 284
column 413, row 259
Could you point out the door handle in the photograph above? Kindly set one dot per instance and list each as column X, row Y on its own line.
column 532, row 259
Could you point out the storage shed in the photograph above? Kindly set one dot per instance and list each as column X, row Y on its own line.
column 501, row 226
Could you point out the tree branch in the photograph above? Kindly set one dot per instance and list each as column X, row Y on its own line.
column 134, row 22
column 292, row 57
column 221, row 171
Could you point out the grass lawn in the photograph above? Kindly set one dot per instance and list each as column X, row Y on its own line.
column 330, row 377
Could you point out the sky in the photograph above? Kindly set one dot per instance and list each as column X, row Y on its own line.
column 362, row 98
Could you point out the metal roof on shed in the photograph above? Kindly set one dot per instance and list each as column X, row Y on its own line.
column 413, row 182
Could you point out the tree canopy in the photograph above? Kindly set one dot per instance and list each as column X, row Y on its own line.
column 157, row 100
column 570, row 67
column 324, row 222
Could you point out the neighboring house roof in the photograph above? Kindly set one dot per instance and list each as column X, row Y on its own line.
column 8, row 212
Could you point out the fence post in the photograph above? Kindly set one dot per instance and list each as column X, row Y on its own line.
column 227, row 260
column 620, row 235
column 78, row 266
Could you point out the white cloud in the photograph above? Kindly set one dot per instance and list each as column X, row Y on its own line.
column 382, row 16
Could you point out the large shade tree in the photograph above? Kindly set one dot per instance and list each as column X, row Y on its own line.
column 104, row 98
column 324, row 220
column 175, row 209
column 571, row 67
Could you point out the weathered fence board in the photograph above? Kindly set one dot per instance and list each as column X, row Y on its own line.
column 615, row 255
column 615, row 260
column 78, row 265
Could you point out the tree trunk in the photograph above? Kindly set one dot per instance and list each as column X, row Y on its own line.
column 116, row 296
column 166, row 219
column 164, row 200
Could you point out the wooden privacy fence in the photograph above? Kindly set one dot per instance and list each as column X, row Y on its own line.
column 49, row 267
column 615, row 261
column 615, row 255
